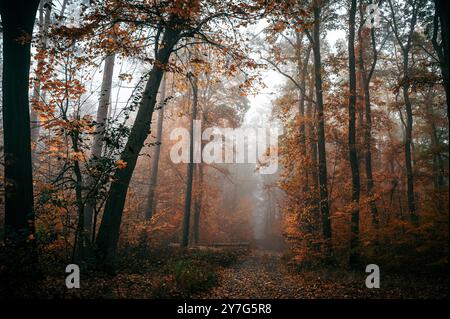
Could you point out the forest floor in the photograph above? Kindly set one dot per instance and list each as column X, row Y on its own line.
column 262, row 274
column 229, row 274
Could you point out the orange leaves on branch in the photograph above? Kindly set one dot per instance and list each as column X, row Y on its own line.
column 121, row 164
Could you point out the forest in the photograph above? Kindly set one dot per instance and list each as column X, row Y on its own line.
column 233, row 149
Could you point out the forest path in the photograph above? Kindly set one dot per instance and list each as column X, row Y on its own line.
column 262, row 274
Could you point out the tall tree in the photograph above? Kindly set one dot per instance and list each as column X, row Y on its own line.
column 323, row 175
column 181, row 20
column 151, row 201
column 44, row 23
column 18, row 18
column 190, row 166
column 352, row 151
column 366, row 77
column 99, row 133
column 405, row 46
column 108, row 234
column 302, row 68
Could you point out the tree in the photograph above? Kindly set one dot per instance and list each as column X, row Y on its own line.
column 108, row 234
column 190, row 166
column 151, row 201
column 405, row 47
column 17, row 21
column 198, row 203
column 352, row 152
column 182, row 20
column 97, row 144
column 366, row 77
column 44, row 23
column 323, row 175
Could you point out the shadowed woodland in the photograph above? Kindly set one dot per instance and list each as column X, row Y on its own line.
column 96, row 93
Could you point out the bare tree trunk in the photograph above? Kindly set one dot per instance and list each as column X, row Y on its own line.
column 366, row 77
column 198, row 203
column 44, row 23
column 151, row 201
column 17, row 21
column 190, row 167
column 312, row 123
column 108, row 234
column 302, row 67
column 79, row 243
column 323, row 188
column 408, row 142
column 352, row 152
column 97, row 143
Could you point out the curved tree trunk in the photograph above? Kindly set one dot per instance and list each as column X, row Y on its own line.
column 108, row 234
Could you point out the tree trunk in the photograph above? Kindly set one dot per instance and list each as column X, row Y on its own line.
column 108, row 234
column 352, row 152
column 405, row 49
column 303, row 72
column 44, row 23
column 366, row 77
column 198, row 203
column 408, row 142
column 97, row 143
column 323, row 188
column 190, row 167
column 155, row 159
column 17, row 20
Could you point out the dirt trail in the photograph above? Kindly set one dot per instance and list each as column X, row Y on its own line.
column 261, row 274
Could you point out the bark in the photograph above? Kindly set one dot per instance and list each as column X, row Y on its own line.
column 97, row 143
column 352, row 152
column 323, row 188
column 151, row 202
column 17, row 20
column 108, row 234
column 190, row 168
